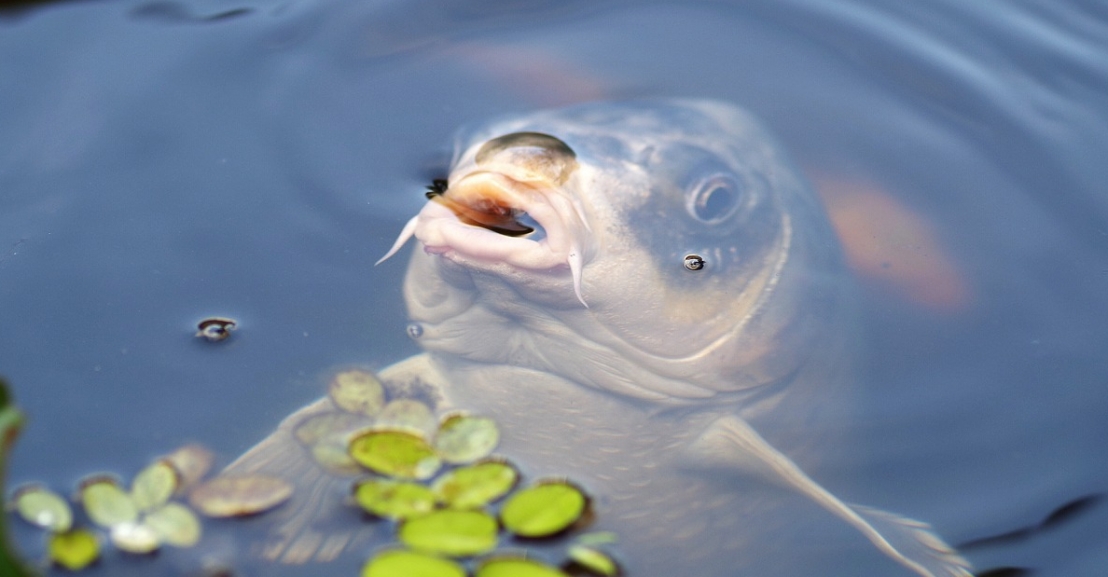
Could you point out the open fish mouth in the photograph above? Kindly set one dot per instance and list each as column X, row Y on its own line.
column 488, row 217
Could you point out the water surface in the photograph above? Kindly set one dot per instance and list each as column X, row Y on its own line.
column 165, row 161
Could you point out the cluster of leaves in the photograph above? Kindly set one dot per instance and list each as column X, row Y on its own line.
column 137, row 520
column 144, row 517
column 438, row 481
column 451, row 500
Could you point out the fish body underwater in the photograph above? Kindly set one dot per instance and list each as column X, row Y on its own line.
column 649, row 300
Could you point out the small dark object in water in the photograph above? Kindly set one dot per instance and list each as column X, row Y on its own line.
column 215, row 329
column 694, row 262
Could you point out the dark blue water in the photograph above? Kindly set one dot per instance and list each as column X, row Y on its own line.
column 165, row 161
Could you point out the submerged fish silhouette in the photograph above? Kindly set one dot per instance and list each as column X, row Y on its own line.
column 552, row 293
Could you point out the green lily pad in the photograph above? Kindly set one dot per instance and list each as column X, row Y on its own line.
column 138, row 538
column 154, row 485
column 451, row 533
column 397, row 563
column 464, row 438
column 74, row 550
column 475, row 486
column 106, row 503
column 516, row 567
column 42, row 507
column 174, row 524
column 593, row 561
column 543, row 509
column 394, row 499
column 239, row 496
column 357, row 391
column 410, row 415
column 395, row 453
column 319, row 428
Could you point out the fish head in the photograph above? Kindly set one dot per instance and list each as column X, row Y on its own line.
column 659, row 250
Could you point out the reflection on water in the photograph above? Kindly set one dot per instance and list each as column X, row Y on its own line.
column 165, row 162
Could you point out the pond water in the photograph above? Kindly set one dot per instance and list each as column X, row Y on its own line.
column 163, row 161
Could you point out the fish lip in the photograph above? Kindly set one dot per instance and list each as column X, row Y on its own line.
column 443, row 233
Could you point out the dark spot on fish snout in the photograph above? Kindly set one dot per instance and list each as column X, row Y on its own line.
column 694, row 262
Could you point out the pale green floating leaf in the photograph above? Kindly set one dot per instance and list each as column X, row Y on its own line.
column 138, row 538
column 322, row 427
column 42, row 507
column 394, row 499
column 475, row 486
column 239, row 496
column 516, row 567
column 398, row 563
column 543, row 510
column 357, row 391
column 191, row 462
column 409, row 415
column 451, row 533
column 174, row 524
column 595, row 561
column 464, row 438
column 75, row 549
column 332, row 455
column 395, row 454
column 154, row 485
column 107, row 504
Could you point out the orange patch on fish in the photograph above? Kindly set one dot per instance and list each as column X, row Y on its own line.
column 889, row 245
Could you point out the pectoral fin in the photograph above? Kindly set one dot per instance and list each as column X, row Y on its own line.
column 317, row 524
column 730, row 443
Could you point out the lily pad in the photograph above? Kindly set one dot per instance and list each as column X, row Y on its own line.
column 106, row 503
column 42, row 507
column 175, row 525
column 543, row 509
column 154, row 485
column 137, row 538
column 394, row 499
column 475, row 486
column 239, row 496
column 592, row 561
column 318, row 428
column 397, row 563
column 74, row 550
column 516, row 567
column 191, row 462
column 465, row 439
column 451, row 533
column 395, row 453
column 410, row 415
column 358, row 392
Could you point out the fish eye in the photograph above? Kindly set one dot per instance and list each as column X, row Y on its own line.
column 714, row 199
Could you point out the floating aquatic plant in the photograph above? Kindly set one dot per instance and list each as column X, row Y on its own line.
column 475, row 486
column 516, row 567
column 239, row 496
column 544, row 509
column 454, row 515
column 400, row 563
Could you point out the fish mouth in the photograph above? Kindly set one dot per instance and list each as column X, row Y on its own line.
column 489, row 218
